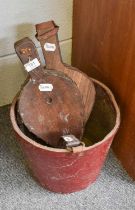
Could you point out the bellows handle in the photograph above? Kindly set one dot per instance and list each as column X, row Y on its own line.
column 27, row 52
column 48, row 38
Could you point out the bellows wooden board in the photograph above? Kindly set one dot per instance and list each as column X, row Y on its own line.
column 50, row 103
column 48, row 37
column 56, row 101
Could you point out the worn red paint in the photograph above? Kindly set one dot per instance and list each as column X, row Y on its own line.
column 59, row 170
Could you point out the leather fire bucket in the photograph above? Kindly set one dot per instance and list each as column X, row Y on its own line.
column 63, row 171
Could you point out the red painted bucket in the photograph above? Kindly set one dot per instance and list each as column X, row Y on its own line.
column 62, row 171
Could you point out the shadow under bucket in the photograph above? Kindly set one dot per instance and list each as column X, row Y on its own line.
column 62, row 171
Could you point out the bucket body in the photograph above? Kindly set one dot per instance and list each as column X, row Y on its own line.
column 59, row 170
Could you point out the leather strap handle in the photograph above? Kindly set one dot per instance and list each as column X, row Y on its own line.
column 77, row 149
column 47, row 35
column 71, row 143
column 27, row 53
column 46, row 30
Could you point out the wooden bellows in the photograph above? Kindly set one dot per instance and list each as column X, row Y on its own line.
column 47, row 35
column 48, row 113
column 56, row 101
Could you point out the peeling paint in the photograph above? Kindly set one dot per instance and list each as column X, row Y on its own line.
column 65, row 131
column 64, row 117
column 61, row 177
column 41, row 118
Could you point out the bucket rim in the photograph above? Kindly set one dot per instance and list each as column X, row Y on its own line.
column 51, row 149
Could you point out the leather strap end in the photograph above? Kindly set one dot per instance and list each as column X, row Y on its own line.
column 77, row 149
column 46, row 29
column 46, row 26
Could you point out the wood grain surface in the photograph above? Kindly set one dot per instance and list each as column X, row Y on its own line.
column 104, row 48
column 52, row 113
column 47, row 32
